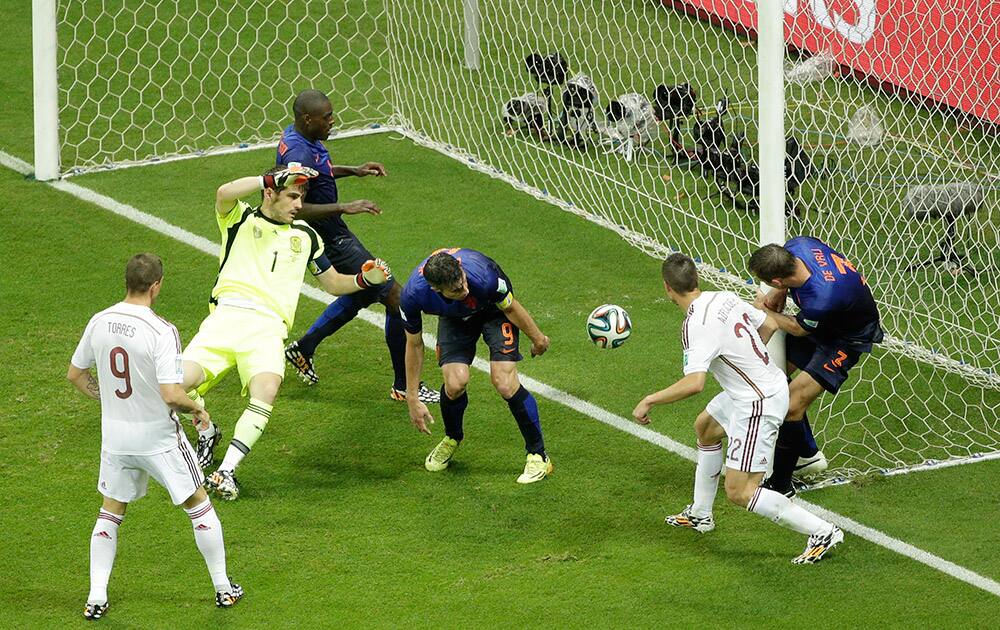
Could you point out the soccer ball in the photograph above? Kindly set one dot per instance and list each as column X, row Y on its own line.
column 609, row 326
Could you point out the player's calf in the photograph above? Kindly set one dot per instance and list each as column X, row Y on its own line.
column 740, row 491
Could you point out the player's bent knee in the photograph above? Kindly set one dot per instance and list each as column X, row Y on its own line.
column 505, row 383
column 708, row 430
column 264, row 387
column 740, row 493
column 797, row 407
column 455, row 384
column 196, row 499
column 194, row 375
column 507, row 388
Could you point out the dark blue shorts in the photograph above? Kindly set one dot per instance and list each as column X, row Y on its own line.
column 828, row 363
column 347, row 255
column 457, row 338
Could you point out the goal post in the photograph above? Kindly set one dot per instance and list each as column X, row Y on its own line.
column 771, row 135
column 44, row 50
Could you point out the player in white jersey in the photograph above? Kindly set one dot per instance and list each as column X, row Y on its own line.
column 724, row 335
column 138, row 360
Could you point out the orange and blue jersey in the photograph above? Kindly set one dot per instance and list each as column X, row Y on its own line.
column 293, row 147
column 835, row 303
column 489, row 290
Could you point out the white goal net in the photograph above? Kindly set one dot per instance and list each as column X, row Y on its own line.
column 145, row 80
column 639, row 115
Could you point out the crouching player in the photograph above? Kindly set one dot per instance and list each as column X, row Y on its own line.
column 265, row 253
column 472, row 297
column 724, row 335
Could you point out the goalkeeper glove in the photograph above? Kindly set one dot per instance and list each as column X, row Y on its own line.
column 293, row 175
column 373, row 273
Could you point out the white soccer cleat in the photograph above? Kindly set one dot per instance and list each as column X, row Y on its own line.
column 536, row 468
column 808, row 466
column 700, row 524
column 93, row 612
column 228, row 599
column 438, row 459
column 425, row 395
column 818, row 545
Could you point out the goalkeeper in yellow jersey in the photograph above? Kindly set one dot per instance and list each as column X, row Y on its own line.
column 264, row 255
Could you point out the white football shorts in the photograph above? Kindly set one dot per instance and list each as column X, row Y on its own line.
column 124, row 477
column 751, row 428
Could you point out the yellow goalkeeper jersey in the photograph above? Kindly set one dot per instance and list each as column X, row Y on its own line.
column 262, row 262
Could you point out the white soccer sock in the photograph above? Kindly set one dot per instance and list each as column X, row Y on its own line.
column 103, row 545
column 208, row 536
column 706, row 478
column 780, row 509
column 210, row 431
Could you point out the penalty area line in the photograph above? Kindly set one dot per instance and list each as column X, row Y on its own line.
column 546, row 391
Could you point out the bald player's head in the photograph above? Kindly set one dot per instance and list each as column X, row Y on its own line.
column 313, row 115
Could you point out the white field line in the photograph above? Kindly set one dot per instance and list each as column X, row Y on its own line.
column 546, row 391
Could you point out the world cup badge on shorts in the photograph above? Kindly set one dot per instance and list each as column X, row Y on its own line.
column 296, row 244
column 256, row 232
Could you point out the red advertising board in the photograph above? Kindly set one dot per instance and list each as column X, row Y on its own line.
column 945, row 50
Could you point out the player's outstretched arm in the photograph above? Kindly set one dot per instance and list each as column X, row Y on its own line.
column 373, row 273
column 313, row 211
column 84, row 382
column 520, row 317
column 368, row 168
column 690, row 385
column 420, row 416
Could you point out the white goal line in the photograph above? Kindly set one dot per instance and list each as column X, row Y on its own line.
column 546, row 391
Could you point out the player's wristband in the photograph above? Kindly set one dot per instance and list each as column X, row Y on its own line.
column 359, row 280
column 266, row 181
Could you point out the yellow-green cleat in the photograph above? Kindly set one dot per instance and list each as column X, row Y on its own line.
column 536, row 468
column 440, row 457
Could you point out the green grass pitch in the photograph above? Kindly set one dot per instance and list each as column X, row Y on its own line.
column 340, row 526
